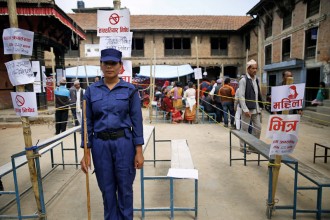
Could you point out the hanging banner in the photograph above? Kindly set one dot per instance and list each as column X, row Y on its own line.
column 20, row 72
column 17, row 41
column 25, row 103
column 287, row 97
column 283, row 144
column 121, row 42
column 113, row 22
column 126, row 71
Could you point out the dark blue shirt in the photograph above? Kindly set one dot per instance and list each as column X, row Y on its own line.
column 111, row 110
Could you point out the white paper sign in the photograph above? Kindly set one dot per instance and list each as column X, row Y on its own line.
column 20, row 72
column 36, row 72
column 283, row 144
column 113, row 22
column 121, row 42
column 25, row 103
column 287, row 97
column 126, row 71
column 17, row 41
column 283, row 124
column 198, row 73
column 59, row 75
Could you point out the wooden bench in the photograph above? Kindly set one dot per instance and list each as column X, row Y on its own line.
column 181, row 168
column 319, row 179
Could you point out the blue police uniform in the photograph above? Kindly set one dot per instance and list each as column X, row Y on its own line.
column 114, row 124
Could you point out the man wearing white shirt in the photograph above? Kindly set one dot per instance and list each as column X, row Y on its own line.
column 79, row 95
column 250, row 100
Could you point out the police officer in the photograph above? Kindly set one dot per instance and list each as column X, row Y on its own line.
column 115, row 136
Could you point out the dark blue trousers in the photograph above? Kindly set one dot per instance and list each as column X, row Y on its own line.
column 114, row 168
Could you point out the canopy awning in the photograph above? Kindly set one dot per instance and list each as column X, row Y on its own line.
column 166, row 71
column 79, row 72
column 67, row 21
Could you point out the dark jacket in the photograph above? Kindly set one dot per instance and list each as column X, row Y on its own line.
column 250, row 95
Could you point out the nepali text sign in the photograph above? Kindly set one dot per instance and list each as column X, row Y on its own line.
column 284, row 124
column 287, row 97
column 20, row 72
column 25, row 103
column 17, row 41
column 121, row 42
column 113, row 22
column 198, row 73
column 126, row 71
column 283, row 144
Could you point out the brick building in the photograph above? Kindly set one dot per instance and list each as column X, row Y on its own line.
column 294, row 35
column 219, row 41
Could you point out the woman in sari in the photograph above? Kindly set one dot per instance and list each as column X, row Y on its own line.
column 177, row 93
column 168, row 106
column 190, row 97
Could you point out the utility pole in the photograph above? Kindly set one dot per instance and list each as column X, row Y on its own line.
column 12, row 13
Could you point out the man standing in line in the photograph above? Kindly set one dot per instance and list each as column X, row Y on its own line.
column 227, row 94
column 250, row 101
column 79, row 95
column 62, row 101
column 73, row 100
column 217, row 100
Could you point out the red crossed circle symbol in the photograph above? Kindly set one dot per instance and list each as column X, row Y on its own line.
column 19, row 100
column 114, row 18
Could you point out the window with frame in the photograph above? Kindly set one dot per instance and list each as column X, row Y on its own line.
column 313, row 7
column 286, row 49
column 287, row 20
column 268, row 27
column 137, row 47
column 310, row 43
column 177, row 46
column 219, row 46
column 268, row 54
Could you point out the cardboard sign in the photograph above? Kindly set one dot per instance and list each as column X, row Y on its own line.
column 283, row 144
column 121, row 42
column 17, row 41
column 20, row 72
column 283, row 124
column 113, row 22
column 287, row 97
column 25, row 103
column 126, row 71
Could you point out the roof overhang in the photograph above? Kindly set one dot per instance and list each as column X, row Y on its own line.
column 291, row 64
column 45, row 11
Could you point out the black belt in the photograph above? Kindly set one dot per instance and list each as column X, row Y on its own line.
column 113, row 135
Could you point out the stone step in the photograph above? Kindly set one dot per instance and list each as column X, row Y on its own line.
column 323, row 109
column 311, row 108
column 326, row 102
column 316, row 117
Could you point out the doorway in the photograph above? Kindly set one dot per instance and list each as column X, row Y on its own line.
column 312, row 84
column 271, row 82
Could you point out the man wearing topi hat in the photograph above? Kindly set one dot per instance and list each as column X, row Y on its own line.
column 250, row 101
column 115, row 136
